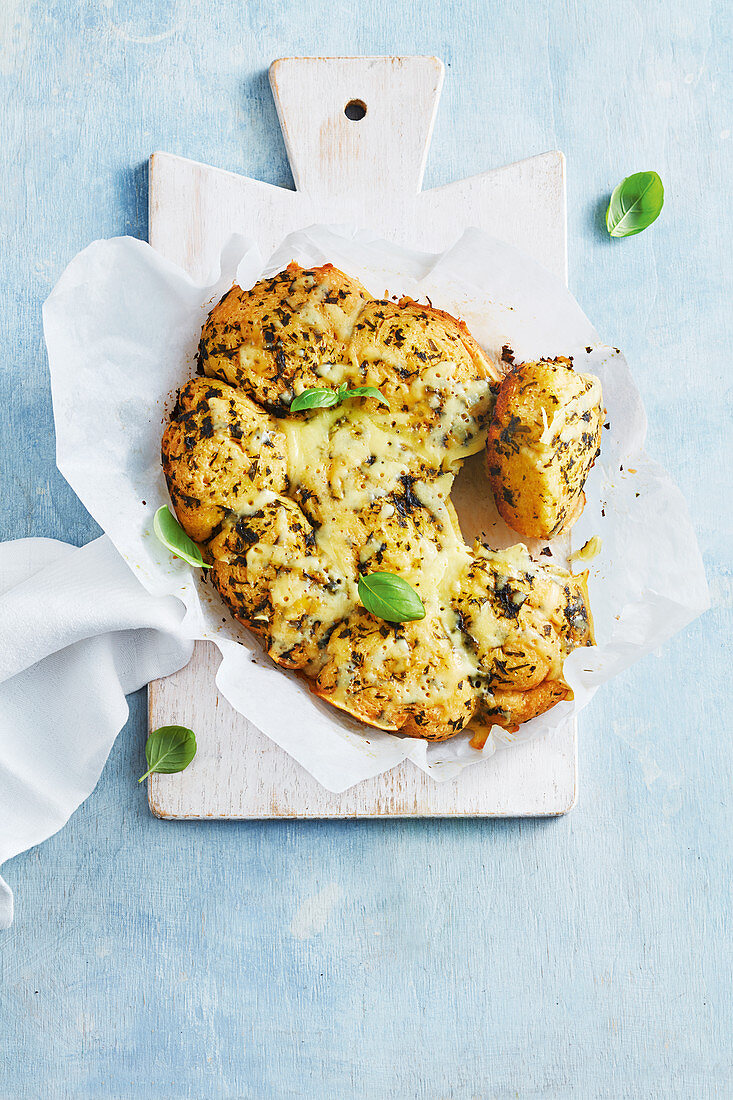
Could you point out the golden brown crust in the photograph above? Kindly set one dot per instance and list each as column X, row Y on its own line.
column 217, row 449
column 277, row 335
column 421, row 358
column 370, row 645
column 291, row 508
column 543, row 439
column 522, row 705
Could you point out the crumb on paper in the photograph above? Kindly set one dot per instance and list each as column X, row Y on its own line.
column 588, row 551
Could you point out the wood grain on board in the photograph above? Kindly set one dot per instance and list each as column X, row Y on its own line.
column 367, row 171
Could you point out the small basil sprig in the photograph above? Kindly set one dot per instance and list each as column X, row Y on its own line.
column 169, row 531
column 635, row 204
column 316, row 398
column 169, row 749
column 390, row 597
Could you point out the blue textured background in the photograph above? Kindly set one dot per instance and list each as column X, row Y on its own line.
column 587, row 956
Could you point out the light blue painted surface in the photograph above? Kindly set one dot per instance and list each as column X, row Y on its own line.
column 585, row 957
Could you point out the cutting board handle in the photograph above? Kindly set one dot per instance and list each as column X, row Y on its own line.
column 357, row 124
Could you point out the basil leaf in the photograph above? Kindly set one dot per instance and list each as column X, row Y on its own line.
column 390, row 597
column 169, row 531
column 367, row 391
column 314, row 399
column 169, row 749
column 325, row 399
column 635, row 204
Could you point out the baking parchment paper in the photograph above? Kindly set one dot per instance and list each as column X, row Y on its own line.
column 122, row 327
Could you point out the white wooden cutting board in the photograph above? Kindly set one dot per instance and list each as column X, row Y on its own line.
column 369, row 171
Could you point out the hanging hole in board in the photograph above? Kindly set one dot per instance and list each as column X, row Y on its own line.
column 355, row 110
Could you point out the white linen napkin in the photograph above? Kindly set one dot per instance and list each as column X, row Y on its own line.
column 77, row 633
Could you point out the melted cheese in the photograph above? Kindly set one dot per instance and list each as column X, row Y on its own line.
column 588, row 551
column 360, row 488
column 568, row 421
column 349, row 461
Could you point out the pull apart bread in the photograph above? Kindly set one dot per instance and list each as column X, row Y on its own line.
column 290, row 508
column 544, row 437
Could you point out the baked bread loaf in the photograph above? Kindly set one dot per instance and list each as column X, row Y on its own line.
column 291, row 508
column 543, row 439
